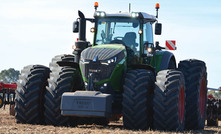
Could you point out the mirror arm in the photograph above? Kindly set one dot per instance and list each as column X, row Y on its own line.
column 91, row 20
column 158, row 47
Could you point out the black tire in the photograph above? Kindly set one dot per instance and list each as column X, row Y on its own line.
column 195, row 75
column 169, row 101
column 137, row 108
column 29, row 94
column 62, row 79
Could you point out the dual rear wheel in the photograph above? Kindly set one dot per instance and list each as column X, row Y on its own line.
column 179, row 98
column 147, row 106
column 195, row 75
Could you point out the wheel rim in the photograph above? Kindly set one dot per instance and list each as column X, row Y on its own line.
column 181, row 104
column 202, row 99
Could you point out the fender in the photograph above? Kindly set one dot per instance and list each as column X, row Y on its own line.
column 167, row 56
column 69, row 64
column 143, row 66
column 162, row 59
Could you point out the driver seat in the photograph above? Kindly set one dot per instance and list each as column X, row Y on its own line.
column 130, row 40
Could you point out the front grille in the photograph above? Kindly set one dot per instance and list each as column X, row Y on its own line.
column 100, row 71
column 91, row 59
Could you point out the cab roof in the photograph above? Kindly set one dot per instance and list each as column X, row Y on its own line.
column 141, row 15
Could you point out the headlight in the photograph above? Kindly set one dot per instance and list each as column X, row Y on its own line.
column 99, row 14
column 107, row 62
column 74, row 47
column 148, row 49
column 134, row 14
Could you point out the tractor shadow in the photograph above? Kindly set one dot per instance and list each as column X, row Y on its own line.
column 118, row 125
column 110, row 126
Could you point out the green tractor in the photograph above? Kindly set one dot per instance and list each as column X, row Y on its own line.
column 121, row 74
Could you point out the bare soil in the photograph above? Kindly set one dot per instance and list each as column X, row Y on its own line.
column 8, row 125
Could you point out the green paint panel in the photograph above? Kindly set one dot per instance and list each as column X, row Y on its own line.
column 116, row 77
column 158, row 59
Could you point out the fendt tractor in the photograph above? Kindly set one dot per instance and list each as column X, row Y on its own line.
column 123, row 73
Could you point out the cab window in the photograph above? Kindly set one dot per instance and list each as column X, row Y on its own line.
column 147, row 34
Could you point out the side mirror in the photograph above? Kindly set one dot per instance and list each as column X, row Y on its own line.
column 158, row 28
column 75, row 27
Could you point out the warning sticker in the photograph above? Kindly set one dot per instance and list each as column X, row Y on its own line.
column 171, row 44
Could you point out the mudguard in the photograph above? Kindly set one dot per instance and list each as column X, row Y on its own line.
column 162, row 59
column 167, row 56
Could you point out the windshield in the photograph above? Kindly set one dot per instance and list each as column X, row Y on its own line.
column 118, row 31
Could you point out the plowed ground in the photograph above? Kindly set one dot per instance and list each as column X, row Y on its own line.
column 8, row 125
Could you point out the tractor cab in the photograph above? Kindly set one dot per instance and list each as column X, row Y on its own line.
column 132, row 30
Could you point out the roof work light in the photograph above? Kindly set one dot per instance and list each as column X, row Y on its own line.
column 96, row 6
column 157, row 6
column 99, row 14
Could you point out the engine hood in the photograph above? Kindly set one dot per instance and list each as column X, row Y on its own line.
column 104, row 52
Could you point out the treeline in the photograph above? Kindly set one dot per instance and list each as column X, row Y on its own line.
column 8, row 76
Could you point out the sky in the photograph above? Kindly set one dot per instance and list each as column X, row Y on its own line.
column 34, row 31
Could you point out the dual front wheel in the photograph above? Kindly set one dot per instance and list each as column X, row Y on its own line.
column 39, row 92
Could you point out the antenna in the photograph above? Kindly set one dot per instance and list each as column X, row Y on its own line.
column 129, row 7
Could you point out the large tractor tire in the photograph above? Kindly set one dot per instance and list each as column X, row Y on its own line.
column 169, row 101
column 29, row 97
column 195, row 75
column 137, row 107
column 62, row 79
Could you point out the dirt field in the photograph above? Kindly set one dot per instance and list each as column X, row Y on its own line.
column 9, row 125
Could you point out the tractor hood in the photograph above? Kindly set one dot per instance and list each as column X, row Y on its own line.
column 103, row 52
column 102, row 62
